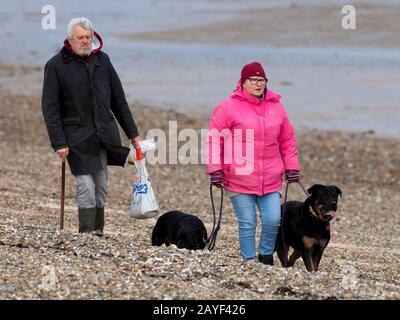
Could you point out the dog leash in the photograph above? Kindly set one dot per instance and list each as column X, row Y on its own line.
column 213, row 237
column 285, row 249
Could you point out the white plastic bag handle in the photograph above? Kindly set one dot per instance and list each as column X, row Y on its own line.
column 145, row 145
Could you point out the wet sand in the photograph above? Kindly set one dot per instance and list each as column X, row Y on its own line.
column 294, row 25
column 329, row 78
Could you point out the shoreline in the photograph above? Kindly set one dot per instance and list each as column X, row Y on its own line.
column 328, row 77
column 295, row 24
column 19, row 79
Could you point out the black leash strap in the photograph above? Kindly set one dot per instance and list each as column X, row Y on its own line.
column 305, row 191
column 285, row 248
column 213, row 237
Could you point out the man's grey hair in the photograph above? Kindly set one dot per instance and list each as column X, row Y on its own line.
column 82, row 22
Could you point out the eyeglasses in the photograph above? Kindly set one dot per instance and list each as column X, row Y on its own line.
column 255, row 81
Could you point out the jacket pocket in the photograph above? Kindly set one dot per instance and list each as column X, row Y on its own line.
column 71, row 121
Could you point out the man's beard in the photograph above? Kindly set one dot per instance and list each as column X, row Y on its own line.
column 84, row 52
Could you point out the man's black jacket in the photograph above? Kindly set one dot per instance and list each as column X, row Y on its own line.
column 81, row 99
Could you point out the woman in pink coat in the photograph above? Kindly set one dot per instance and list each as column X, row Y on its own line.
column 251, row 144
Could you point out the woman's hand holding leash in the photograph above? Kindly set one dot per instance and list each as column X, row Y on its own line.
column 217, row 178
column 292, row 176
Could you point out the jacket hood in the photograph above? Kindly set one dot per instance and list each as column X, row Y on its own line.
column 97, row 45
column 242, row 94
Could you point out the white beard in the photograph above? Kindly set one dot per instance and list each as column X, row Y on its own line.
column 84, row 52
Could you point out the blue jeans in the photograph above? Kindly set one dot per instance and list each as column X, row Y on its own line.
column 270, row 213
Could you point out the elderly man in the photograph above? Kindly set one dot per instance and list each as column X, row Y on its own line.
column 82, row 96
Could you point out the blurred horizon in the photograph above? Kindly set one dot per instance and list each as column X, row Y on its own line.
column 187, row 55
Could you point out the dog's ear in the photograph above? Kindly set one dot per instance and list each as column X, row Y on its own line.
column 339, row 192
column 314, row 188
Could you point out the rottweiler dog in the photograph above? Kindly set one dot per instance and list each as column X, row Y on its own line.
column 306, row 226
column 179, row 228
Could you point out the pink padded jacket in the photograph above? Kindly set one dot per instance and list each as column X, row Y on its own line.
column 252, row 141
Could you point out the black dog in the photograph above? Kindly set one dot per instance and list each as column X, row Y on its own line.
column 179, row 228
column 306, row 226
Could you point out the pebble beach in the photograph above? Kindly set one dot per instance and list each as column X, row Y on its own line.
column 38, row 261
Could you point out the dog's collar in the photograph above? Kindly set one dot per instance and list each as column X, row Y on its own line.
column 315, row 216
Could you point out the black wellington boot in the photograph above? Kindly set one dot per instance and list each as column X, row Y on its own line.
column 267, row 259
column 87, row 218
column 99, row 222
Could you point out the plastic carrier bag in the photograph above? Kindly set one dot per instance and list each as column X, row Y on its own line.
column 143, row 201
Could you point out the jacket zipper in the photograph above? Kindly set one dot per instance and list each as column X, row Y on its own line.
column 262, row 187
column 95, row 116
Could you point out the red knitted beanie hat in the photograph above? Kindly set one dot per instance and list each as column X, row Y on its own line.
column 250, row 70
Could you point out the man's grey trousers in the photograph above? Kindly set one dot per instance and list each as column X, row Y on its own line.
column 91, row 189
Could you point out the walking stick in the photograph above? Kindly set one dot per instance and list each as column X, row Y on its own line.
column 62, row 194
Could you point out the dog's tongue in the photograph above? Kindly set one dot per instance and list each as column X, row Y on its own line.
column 332, row 213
